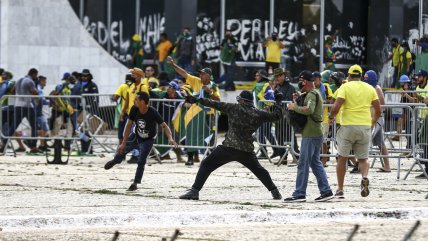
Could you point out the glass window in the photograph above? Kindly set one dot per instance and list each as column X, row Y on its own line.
column 249, row 24
column 346, row 23
column 95, row 20
column 122, row 29
column 207, row 39
column 151, row 24
column 297, row 24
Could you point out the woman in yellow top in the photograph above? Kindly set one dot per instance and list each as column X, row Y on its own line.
column 405, row 60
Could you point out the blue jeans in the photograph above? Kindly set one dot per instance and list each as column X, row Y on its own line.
column 310, row 156
column 144, row 147
column 229, row 73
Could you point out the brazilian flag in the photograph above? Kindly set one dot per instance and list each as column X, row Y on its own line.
column 177, row 129
column 198, row 132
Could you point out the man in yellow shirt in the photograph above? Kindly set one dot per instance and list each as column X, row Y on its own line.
column 355, row 98
column 162, row 50
column 203, row 87
column 121, row 94
column 422, row 78
column 273, row 51
column 397, row 51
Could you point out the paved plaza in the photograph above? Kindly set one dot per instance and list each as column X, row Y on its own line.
column 82, row 201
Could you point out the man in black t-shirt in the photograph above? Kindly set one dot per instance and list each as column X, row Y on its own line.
column 145, row 119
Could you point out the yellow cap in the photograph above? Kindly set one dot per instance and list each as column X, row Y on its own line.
column 355, row 69
column 136, row 37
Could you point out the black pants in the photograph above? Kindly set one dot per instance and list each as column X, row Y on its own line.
column 271, row 64
column 222, row 155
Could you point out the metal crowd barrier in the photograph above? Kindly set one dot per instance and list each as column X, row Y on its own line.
column 420, row 148
column 194, row 127
column 402, row 96
column 23, row 116
column 397, row 121
column 277, row 135
column 101, row 121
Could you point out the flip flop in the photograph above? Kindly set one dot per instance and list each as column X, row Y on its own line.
column 382, row 170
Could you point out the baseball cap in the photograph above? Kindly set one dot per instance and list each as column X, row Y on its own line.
column 306, row 75
column 355, row 69
column 404, row 79
column 65, row 76
column 207, row 71
column 422, row 73
column 316, row 74
column 174, row 85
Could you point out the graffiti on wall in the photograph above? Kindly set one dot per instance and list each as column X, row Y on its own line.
column 207, row 40
column 301, row 43
column 150, row 27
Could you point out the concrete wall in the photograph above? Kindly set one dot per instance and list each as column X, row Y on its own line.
column 47, row 35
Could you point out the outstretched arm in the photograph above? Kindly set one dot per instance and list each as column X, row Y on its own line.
column 177, row 68
column 221, row 106
column 276, row 114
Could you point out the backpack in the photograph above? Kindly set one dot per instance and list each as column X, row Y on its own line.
column 296, row 120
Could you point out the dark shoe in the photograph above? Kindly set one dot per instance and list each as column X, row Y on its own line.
column 295, row 199
column 191, row 194
column 110, row 164
column 365, row 187
column 35, row 150
column 421, row 176
column 325, row 197
column 132, row 188
column 2, row 147
column 275, row 194
column 339, row 194
column 132, row 160
column 166, row 157
column 355, row 170
column 18, row 150
column 189, row 163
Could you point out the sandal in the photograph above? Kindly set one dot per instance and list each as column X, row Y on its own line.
column 382, row 170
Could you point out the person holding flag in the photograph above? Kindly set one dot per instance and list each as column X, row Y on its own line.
column 203, row 87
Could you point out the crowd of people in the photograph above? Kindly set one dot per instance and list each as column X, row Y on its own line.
column 64, row 110
column 356, row 98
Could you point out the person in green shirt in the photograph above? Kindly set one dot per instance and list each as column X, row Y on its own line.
column 312, row 138
column 228, row 49
column 263, row 91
